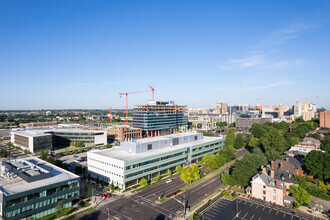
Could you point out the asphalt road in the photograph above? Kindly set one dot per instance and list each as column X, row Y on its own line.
column 246, row 209
column 141, row 206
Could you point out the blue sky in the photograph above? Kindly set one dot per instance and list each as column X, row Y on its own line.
column 81, row 54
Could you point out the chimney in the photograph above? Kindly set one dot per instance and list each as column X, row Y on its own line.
column 277, row 184
column 295, row 153
column 287, row 160
column 272, row 164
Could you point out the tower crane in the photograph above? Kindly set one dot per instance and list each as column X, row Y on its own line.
column 127, row 93
column 259, row 105
column 110, row 111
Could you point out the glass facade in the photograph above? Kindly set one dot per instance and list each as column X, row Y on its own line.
column 158, row 120
column 41, row 201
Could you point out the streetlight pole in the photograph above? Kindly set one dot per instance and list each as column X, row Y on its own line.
column 108, row 214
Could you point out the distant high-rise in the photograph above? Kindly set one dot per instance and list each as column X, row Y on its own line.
column 160, row 117
column 325, row 119
column 221, row 108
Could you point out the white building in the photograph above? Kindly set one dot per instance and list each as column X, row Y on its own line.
column 149, row 157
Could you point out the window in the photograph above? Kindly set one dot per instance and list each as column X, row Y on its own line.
column 274, row 197
column 274, row 190
column 149, row 146
column 195, row 138
column 264, row 187
column 264, row 192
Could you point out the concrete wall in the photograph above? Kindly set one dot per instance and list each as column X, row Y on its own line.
column 112, row 169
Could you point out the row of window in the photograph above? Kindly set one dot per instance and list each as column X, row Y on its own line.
column 154, row 160
column 107, row 171
column 41, row 204
column 103, row 162
column 154, row 168
column 37, row 195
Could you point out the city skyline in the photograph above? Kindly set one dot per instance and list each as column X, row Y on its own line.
column 81, row 55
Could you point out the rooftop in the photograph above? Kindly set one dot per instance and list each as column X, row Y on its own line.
column 119, row 154
column 11, row 183
column 45, row 132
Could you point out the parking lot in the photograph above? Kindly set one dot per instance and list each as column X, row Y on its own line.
column 245, row 209
column 72, row 160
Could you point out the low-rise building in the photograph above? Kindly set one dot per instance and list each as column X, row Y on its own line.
column 31, row 188
column 209, row 121
column 149, row 157
column 36, row 140
column 245, row 122
column 38, row 124
column 268, row 189
column 284, row 170
column 311, row 142
column 123, row 132
column 32, row 140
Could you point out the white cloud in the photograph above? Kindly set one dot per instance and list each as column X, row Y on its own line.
column 246, row 62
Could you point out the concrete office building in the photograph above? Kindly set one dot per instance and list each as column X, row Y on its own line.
column 36, row 140
column 150, row 157
column 325, row 119
column 244, row 123
column 31, row 188
column 63, row 137
column 160, row 117
column 32, row 140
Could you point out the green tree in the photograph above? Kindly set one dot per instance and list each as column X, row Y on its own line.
column 157, row 178
column 178, row 169
column 221, row 124
column 50, row 160
column 239, row 141
column 273, row 144
column 169, row 173
column 59, row 209
column 318, row 164
column 208, row 134
column 43, row 154
column 143, row 182
column 90, row 191
column 300, row 194
column 227, row 179
column 230, row 138
column 112, row 186
column 253, row 142
column 190, row 173
column 258, row 131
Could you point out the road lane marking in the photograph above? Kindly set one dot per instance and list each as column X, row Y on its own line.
column 245, row 215
column 252, row 217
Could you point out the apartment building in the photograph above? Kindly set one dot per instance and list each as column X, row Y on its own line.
column 209, row 121
column 220, row 108
column 159, row 117
column 150, row 157
column 268, row 189
column 31, row 188
column 325, row 119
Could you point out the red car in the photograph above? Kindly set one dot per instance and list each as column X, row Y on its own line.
column 107, row 196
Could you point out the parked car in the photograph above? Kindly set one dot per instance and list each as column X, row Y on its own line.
column 106, row 195
column 169, row 180
column 75, row 155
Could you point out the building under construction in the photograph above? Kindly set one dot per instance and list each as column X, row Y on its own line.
column 158, row 118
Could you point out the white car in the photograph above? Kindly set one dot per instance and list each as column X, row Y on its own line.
column 169, row 180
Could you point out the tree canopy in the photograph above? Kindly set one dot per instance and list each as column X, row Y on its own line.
column 317, row 164
column 300, row 194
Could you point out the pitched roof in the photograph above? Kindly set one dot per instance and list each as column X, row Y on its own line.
column 310, row 140
column 283, row 165
column 268, row 181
